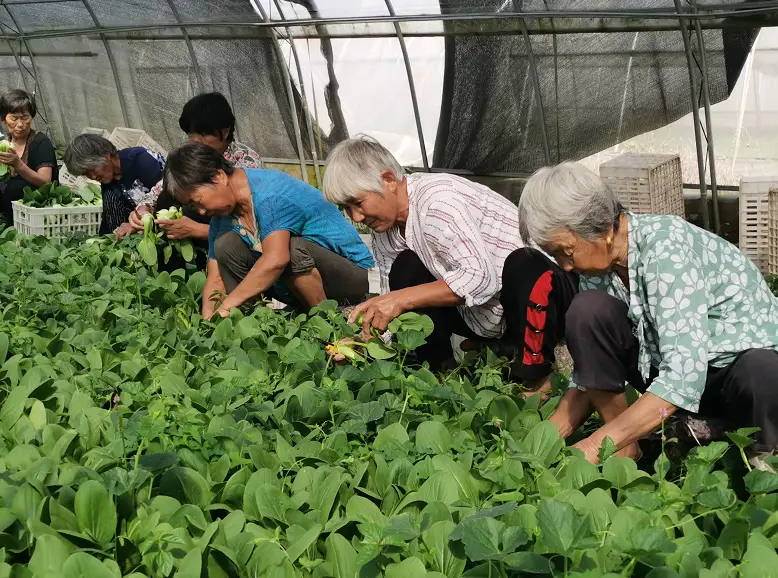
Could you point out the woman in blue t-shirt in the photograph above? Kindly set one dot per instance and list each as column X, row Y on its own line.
column 269, row 233
column 125, row 175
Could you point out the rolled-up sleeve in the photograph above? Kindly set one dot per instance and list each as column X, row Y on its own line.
column 458, row 251
column 677, row 312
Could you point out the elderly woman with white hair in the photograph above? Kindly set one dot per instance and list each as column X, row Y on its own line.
column 450, row 248
column 677, row 312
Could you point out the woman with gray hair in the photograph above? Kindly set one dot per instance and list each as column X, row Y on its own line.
column 125, row 175
column 450, row 248
column 677, row 312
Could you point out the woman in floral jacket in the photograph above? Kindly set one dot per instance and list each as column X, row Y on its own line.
column 677, row 312
column 206, row 119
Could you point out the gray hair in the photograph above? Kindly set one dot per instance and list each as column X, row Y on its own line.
column 87, row 152
column 566, row 197
column 355, row 165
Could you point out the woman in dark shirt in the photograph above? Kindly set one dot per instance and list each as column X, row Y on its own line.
column 32, row 159
column 126, row 175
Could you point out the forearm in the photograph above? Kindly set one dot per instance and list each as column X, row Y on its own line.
column 213, row 282
column 640, row 419
column 32, row 177
column 200, row 231
column 259, row 279
column 435, row 294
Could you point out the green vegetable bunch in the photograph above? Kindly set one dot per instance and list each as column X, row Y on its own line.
column 147, row 248
column 49, row 195
column 5, row 170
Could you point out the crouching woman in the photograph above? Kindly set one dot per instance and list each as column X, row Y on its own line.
column 450, row 248
column 677, row 312
column 269, row 234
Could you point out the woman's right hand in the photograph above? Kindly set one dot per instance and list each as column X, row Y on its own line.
column 136, row 217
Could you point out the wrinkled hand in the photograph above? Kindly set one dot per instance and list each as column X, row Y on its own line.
column 590, row 449
column 182, row 228
column 136, row 217
column 378, row 312
column 11, row 159
column 123, row 230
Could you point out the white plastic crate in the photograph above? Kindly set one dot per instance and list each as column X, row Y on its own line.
column 772, row 229
column 123, row 138
column 646, row 183
column 56, row 222
column 755, row 219
column 98, row 131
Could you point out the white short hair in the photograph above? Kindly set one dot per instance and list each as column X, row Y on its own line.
column 355, row 165
column 566, row 197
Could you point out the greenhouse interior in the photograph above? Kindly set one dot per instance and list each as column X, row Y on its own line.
column 388, row 288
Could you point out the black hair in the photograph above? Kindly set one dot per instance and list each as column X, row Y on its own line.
column 208, row 113
column 190, row 167
column 17, row 102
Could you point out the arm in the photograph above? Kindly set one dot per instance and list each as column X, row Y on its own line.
column 213, row 282
column 265, row 272
column 35, row 178
column 149, row 200
column 149, row 169
column 679, row 317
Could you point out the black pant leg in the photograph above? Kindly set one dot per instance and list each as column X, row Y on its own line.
column 745, row 394
column 536, row 294
column 408, row 271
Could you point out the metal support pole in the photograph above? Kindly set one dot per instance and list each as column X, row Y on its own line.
column 708, row 124
column 306, row 108
column 533, row 69
column 411, row 85
column 288, row 82
column 696, row 116
column 112, row 62
column 34, row 67
column 19, row 65
column 192, row 56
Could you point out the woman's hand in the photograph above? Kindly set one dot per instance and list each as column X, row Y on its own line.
column 136, row 217
column 11, row 159
column 183, row 228
column 123, row 230
column 590, row 449
column 378, row 312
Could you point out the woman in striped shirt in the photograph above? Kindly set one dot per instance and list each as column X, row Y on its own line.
column 450, row 248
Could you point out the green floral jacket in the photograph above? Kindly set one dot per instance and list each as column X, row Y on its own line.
column 694, row 300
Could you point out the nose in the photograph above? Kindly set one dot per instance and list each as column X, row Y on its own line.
column 355, row 215
column 201, row 212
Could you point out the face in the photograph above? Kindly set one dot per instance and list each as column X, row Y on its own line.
column 104, row 174
column 214, row 200
column 18, row 124
column 379, row 212
column 216, row 142
column 578, row 255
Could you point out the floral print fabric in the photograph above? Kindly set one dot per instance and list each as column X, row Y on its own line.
column 694, row 300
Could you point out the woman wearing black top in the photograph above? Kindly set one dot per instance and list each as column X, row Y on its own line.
column 32, row 159
column 125, row 175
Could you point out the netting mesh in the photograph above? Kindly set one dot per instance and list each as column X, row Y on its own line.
column 108, row 63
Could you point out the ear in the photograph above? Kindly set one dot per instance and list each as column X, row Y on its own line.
column 222, row 179
column 388, row 176
column 225, row 134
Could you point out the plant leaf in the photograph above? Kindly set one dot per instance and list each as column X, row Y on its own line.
column 95, row 512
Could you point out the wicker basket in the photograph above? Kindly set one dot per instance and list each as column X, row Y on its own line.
column 755, row 219
column 53, row 222
column 646, row 183
column 124, row 138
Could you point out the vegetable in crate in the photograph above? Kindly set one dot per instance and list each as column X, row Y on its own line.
column 49, row 195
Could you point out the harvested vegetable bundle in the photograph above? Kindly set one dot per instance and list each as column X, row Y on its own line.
column 5, row 170
column 147, row 248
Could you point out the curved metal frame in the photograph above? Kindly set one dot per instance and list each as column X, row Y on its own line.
column 189, row 46
column 288, row 83
column 306, row 109
column 111, row 61
column 32, row 62
column 411, row 85
column 19, row 64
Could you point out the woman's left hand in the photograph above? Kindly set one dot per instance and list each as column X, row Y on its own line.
column 183, row 228
column 590, row 449
column 378, row 312
column 11, row 159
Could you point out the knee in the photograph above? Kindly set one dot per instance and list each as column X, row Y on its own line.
column 227, row 245
column 591, row 310
column 522, row 263
column 300, row 256
column 408, row 271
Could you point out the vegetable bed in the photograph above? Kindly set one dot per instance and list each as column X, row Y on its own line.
column 140, row 440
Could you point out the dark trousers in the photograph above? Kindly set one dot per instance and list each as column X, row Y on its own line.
column 535, row 296
column 605, row 352
column 343, row 281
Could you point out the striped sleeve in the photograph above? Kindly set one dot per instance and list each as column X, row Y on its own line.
column 458, row 249
column 383, row 260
